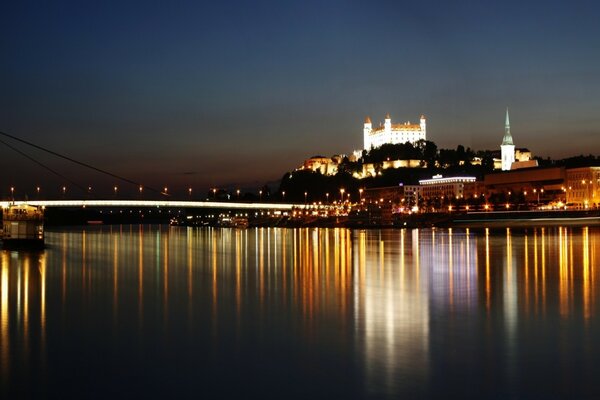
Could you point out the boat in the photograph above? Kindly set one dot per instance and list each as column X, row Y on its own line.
column 22, row 226
column 226, row 221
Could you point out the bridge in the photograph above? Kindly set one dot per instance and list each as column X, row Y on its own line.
column 162, row 204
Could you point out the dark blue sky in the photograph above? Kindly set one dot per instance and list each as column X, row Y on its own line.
column 239, row 92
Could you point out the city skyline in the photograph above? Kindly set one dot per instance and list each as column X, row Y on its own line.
column 193, row 95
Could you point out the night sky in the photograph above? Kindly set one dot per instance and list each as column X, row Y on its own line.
column 238, row 92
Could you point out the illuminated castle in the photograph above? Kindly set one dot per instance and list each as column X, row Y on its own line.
column 393, row 133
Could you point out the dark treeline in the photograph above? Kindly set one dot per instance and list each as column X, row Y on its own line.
column 306, row 185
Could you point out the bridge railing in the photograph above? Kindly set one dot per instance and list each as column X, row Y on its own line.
column 165, row 204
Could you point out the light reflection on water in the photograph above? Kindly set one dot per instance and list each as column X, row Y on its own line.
column 306, row 311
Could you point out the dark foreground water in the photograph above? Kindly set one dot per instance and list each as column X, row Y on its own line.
column 163, row 312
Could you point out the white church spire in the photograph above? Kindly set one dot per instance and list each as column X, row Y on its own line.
column 507, row 136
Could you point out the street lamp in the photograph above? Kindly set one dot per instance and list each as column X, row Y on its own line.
column 360, row 191
column 305, row 197
column 238, row 194
column 190, row 192
column 342, row 190
column 283, row 196
column 115, row 189
column 327, row 196
column 260, row 195
column 12, row 193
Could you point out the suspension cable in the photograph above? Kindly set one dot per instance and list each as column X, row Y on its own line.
column 102, row 171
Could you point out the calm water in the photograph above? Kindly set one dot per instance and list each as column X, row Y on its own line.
column 149, row 311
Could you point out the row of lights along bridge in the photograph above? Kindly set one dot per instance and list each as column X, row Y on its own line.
column 213, row 194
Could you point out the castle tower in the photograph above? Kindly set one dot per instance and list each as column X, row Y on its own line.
column 423, row 125
column 387, row 124
column 368, row 127
column 507, row 147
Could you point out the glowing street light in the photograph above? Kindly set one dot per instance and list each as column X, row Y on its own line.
column 360, row 192
column 190, row 191
column 260, row 195
column 342, row 190
column 327, row 196
column 12, row 193
column 283, row 196
column 115, row 189
column 305, row 197
column 238, row 194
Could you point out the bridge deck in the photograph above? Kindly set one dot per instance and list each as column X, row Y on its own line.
column 160, row 203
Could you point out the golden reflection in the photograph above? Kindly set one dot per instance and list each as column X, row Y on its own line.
column 43, row 292
column 238, row 272
column 166, row 277
column 83, row 261
column 535, row 268
column 543, row 255
column 188, row 249
column 526, row 268
column 284, row 265
column 214, row 280
column 450, row 269
column 563, row 265
column 4, row 320
column 141, row 273
column 115, row 275
column 488, row 287
column 26, row 304
column 42, row 263
column 587, row 312
column 63, row 287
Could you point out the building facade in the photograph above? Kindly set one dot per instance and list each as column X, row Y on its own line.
column 535, row 184
column 393, row 133
column 582, row 187
column 453, row 187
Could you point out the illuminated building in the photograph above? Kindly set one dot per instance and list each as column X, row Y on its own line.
column 324, row 165
column 456, row 186
column 582, row 186
column 374, row 169
column 393, row 133
column 507, row 148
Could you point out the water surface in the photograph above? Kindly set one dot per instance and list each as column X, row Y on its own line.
column 156, row 311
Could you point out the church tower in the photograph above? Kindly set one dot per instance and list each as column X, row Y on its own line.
column 507, row 147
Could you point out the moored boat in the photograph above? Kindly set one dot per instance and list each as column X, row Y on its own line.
column 22, row 226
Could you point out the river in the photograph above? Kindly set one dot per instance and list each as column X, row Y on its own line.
column 153, row 311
